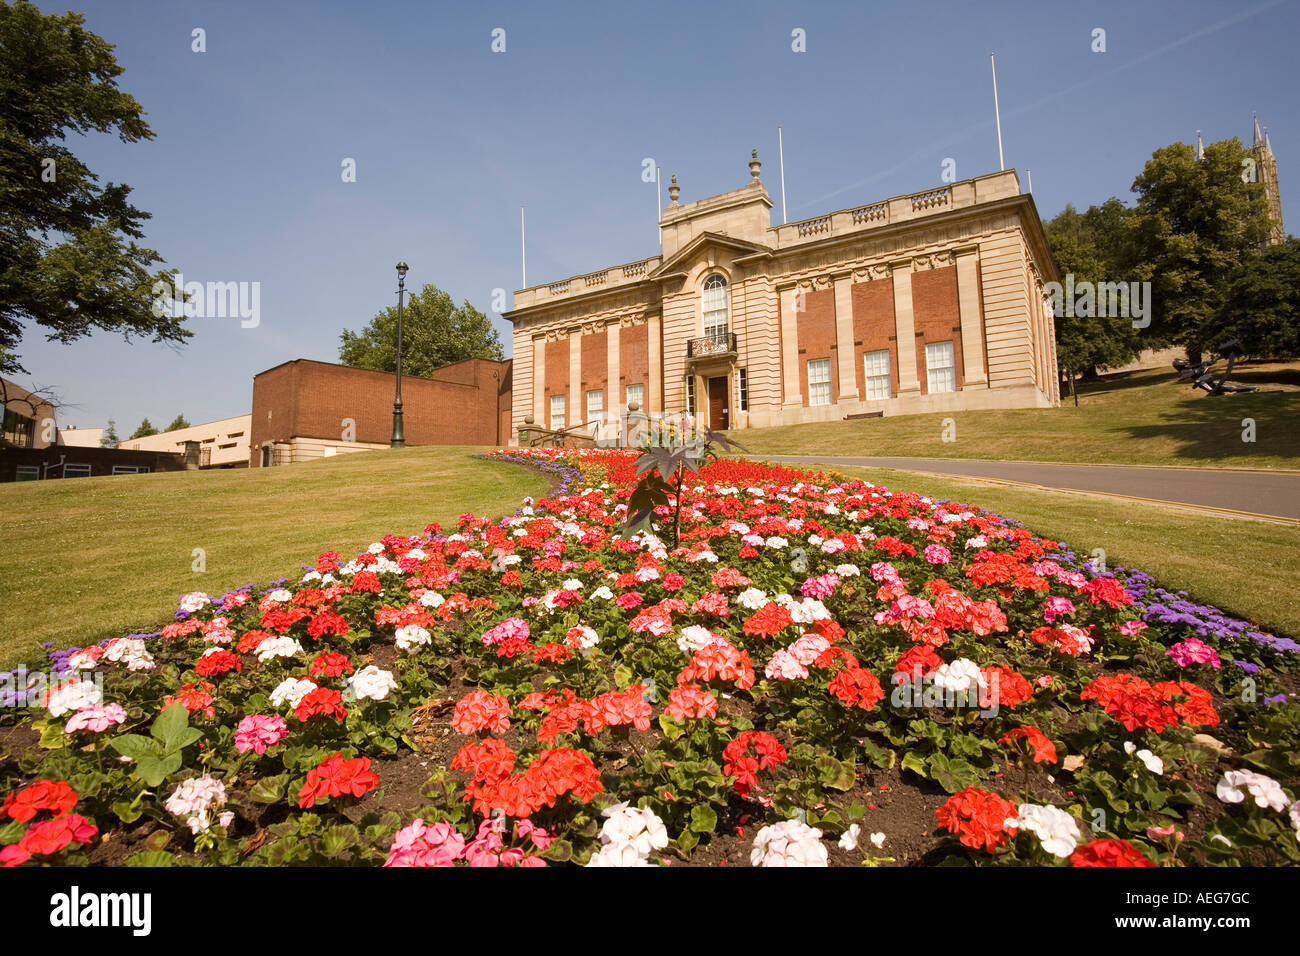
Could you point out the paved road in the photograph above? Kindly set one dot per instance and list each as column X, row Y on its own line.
column 1259, row 492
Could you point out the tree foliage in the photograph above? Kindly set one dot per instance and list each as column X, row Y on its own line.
column 1196, row 222
column 1261, row 304
column 1094, row 246
column 144, row 429
column 435, row 332
column 69, row 262
column 109, row 439
column 178, row 423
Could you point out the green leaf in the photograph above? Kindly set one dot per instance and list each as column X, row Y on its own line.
column 169, row 723
column 560, row 850
column 622, row 676
column 127, row 811
column 703, row 819
column 914, row 763
column 836, row 774
column 856, row 811
column 672, row 730
column 136, row 747
column 952, row 775
column 337, row 839
column 688, row 840
column 269, row 789
column 53, row 737
column 154, row 770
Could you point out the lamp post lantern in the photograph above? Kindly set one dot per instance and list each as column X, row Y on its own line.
column 399, row 438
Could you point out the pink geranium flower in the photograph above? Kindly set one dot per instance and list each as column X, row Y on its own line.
column 96, row 718
column 256, row 732
column 511, row 627
column 1194, row 651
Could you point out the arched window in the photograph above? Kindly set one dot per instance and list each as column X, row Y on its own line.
column 713, row 303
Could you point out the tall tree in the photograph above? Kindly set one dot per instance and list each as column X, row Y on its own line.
column 1261, row 304
column 144, row 430
column 435, row 332
column 1094, row 246
column 1197, row 220
column 178, row 423
column 69, row 262
column 109, row 439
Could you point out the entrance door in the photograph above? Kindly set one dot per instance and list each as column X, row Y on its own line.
column 719, row 413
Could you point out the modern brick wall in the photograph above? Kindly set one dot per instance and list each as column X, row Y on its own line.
column 461, row 404
column 816, row 329
column 100, row 460
column 937, row 317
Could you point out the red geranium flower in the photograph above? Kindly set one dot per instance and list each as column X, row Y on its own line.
column 194, row 697
column 49, row 837
column 857, row 687
column 1108, row 852
column 335, row 777
column 1042, row 746
column 321, row 701
column 53, row 795
column 771, row 619
column 218, row 662
column 479, row 710
column 738, row 762
column 977, row 816
column 330, row 664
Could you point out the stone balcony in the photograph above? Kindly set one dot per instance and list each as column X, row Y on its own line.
column 718, row 345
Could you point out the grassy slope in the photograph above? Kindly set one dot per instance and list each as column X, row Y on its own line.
column 1248, row 568
column 1133, row 418
column 90, row 558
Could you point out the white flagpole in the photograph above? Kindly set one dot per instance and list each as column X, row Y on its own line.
column 996, row 114
column 1030, row 174
column 780, row 145
column 659, row 205
column 523, row 253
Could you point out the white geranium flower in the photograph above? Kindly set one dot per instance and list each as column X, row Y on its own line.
column 877, row 840
column 277, row 647
column 411, row 637
column 197, row 600
column 752, row 598
column 602, row 593
column 849, row 839
column 72, row 694
column 961, row 676
column 1153, row 763
column 431, row 599
column 790, row 843
column 1266, row 791
column 372, row 682
column 291, row 691
column 1056, row 830
column 695, row 638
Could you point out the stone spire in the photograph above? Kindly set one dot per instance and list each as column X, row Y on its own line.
column 754, row 167
column 1200, row 147
column 674, row 190
column 1259, row 137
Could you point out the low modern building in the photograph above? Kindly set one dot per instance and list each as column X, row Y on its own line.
column 29, row 419
column 304, row 409
column 928, row 302
column 81, row 437
column 219, row 444
column 72, row 461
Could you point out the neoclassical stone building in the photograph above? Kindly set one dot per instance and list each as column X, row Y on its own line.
column 927, row 302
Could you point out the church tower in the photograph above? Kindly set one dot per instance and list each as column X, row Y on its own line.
column 1266, row 169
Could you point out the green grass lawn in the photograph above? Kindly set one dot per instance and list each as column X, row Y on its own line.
column 1248, row 568
column 1131, row 418
column 90, row 558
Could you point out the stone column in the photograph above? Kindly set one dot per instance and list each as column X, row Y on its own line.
column 540, row 413
column 654, row 389
column 968, row 304
column 904, row 328
column 790, row 347
column 844, row 338
column 575, row 408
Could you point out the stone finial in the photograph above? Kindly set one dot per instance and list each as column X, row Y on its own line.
column 754, row 165
column 673, row 189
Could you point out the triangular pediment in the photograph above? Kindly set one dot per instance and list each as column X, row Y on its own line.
column 692, row 249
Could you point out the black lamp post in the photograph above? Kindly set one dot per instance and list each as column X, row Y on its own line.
column 399, row 438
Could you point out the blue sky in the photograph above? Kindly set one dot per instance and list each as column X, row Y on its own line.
column 244, row 176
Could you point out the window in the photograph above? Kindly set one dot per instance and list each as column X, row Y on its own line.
column 235, row 435
column 690, row 394
column 939, row 367
column 557, row 412
column 596, row 405
column 713, row 303
column 27, row 473
column 636, row 393
column 76, row 471
column 18, row 429
column 742, row 381
column 131, row 469
column 876, row 366
column 819, row 381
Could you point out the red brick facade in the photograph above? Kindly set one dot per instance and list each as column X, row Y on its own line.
column 595, row 370
column 937, row 316
column 873, row 328
column 633, row 361
column 557, row 379
column 816, row 328
column 467, row 403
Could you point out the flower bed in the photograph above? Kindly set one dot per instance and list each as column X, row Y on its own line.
column 822, row 672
